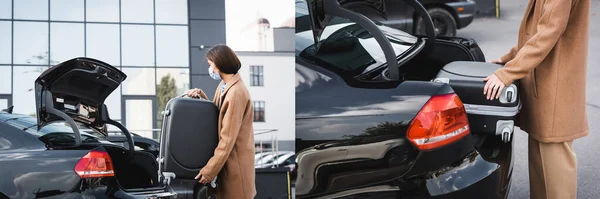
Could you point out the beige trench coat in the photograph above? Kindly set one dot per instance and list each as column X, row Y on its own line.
column 233, row 159
column 550, row 60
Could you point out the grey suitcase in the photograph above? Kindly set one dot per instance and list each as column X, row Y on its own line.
column 493, row 117
column 189, row 136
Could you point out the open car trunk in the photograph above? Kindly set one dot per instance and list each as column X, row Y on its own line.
column 138, row 172
column 74, row 91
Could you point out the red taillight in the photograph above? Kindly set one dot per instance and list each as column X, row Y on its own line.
column 441, row 121
column 95, row 164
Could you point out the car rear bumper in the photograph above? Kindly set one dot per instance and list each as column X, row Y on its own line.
column 474, row 178
column 464, row 12
column 105, row 192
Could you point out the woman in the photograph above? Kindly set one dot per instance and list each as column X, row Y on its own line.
column 549, row 60
column 233, row 159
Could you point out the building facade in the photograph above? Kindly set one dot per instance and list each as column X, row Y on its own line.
column 159, row 44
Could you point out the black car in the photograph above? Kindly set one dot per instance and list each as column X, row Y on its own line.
column 371, row 122
column 51, row 156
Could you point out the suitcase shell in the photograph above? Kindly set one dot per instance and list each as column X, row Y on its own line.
column 189, row 136
column 493, row 117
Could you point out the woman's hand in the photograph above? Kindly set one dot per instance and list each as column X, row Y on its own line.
column 493, row 87
column 203, row 179
column 196, row 93
column 496, row 61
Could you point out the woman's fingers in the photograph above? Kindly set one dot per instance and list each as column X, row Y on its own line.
column 490, row 89
column 494, row 90
column 487, row 85
column 500, row 89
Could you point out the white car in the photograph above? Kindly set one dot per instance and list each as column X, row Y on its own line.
column 287, row 160
column 259, row 156
column 270, row 157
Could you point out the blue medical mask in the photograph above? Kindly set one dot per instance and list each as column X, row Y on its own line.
column 215, row 76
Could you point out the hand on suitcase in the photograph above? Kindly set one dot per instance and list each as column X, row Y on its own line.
column 493, row 87
column 497, row 61
column 196, row 93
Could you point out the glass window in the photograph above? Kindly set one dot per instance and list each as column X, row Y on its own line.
column 138, row 45
column 102, row 10
column 137, row 11
column 259, row 111
column 113, row 103
column 5, row 81
column 3, row 104
column 31, row 9
column 172, row 79
column 5, row 9
column 103, row 43
column 170, row 82
column 23, row 95
column 172, row 46
column 171, row 11
column 256, row 76
column 66, row 10
column 5, row 40
column 66, row 42
column 30, row 43
column 139, row 117
column 139, row 81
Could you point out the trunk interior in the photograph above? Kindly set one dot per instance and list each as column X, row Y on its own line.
column 137, row 172
column 426, row 67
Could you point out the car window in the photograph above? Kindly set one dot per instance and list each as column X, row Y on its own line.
column 275, row 158
column 290, row 160
column 29, row 124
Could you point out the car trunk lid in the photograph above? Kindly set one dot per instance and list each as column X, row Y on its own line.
column 75, row 91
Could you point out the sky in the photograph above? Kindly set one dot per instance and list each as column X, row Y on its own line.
column 240, row 13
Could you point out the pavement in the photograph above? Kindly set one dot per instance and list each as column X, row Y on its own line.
column 496, row 36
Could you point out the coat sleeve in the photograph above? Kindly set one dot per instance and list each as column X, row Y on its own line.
column 551, row 26
column 510, row 55
column 234, row 108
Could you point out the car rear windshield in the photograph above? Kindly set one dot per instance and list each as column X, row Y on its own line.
column 349, row 49
column 29, row 124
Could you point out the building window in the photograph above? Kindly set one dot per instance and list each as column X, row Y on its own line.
column 256, row 75
column 259, row 111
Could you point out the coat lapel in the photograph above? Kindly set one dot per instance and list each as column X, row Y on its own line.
column 234, row 80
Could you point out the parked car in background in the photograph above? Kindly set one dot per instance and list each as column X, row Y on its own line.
column 448, row 16
column 270, row 157
column 286, row 159
column 259, row 156
column 371, row 122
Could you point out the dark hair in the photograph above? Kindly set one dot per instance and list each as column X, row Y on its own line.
column 224, row 58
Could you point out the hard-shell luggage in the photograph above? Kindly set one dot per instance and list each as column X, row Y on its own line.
column 493, row 117
column 189, row 136
column 467, row 44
